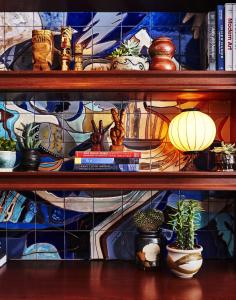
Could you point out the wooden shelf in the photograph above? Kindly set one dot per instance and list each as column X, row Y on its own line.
column 118, row 181
column 125, row 85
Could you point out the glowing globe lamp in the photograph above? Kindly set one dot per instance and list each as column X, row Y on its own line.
column 192, row 131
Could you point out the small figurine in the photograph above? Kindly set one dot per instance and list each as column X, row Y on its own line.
column 97, row 137
column 117, row 133
column 42, row 49
column 161, row 51
column 66, row 36
column 78, row 57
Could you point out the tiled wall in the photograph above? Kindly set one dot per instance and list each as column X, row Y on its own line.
column 98, row 224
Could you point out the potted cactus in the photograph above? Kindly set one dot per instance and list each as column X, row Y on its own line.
column 7, row 154
column 184, row 256
column 225, row 159
column 148, row 240
column 128, row 57
column 29, row 145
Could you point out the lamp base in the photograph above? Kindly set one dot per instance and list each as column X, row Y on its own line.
column 190, row 166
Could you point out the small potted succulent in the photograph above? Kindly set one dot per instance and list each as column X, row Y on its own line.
column 184, row 256
column 29, row 146
column 7, row 154
column 225, row 159
column 148, row 240
column 128, row 57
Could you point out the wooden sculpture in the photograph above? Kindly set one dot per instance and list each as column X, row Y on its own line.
column 78, row 57
column 117, row 133
column 97, row 137
column 66, row 37
column 42, row 49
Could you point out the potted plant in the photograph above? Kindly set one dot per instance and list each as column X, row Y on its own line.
column 7, row 154
column 184, row 256
column 225, row 157
column 128, row 57
column 29, row 148
column 147, row 242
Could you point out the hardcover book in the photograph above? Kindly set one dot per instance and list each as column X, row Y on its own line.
column 228, row 37
column 211, row 25
column 106, row 160
column 106, row 167
column 220, row 45
column 234, row 37
column 107, row 154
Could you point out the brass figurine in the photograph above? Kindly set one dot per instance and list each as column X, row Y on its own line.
column 97, row 137
column 117, row 133
column 42, row 49
column 66, row 37
column 78, row 57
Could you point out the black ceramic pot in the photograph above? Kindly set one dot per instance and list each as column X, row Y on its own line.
column 147, row 249
column 29, row 161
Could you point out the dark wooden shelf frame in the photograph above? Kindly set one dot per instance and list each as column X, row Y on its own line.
column 30, row 181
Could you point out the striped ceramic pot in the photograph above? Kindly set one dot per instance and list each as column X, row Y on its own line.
column 184, row 263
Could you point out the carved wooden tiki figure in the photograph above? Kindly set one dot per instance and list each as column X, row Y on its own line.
column 66, row 36
column 117, row 133
column 42, row 48
column 78, row 57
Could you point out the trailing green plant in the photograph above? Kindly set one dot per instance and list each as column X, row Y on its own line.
column 128, row 48
column 7, row 144
column 149, row 220
column 225, row 148
column 28, row 141
column 185, row 221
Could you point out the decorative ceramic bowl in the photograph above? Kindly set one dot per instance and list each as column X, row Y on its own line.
column 184, row 263
column 129, row 63
column 7, row 161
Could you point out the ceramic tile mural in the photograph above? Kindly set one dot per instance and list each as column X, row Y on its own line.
column 98, row 224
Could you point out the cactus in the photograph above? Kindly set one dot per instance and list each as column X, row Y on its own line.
column 27, row 140
column 7, row 145
column 185, row 222
column 149, row 220
column 225, row 149
column 128, row 48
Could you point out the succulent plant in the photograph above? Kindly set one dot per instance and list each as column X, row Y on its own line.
column 149, row 220
column 128, row 48
column 225, row 148
column 28, row 141
column 7, row 144
column 185, row 221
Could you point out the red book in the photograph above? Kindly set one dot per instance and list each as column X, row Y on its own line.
column 127, row 154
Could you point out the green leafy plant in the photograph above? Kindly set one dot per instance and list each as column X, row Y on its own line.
column 225, row 149
column 149, row 220
column 128, row 48
column 28, row 141
column 185, row 221
column 7, row 144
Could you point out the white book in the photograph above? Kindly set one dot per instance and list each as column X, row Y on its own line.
column 229, row 37
column 234, row 37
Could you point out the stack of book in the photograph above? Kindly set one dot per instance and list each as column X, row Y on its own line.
column 104, row 161
column 221, row 38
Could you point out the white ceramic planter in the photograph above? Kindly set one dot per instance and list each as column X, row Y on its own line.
column 184, row 263
column 129, row 63
column 7, row 161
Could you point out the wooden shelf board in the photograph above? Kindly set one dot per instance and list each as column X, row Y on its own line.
column 118, row 181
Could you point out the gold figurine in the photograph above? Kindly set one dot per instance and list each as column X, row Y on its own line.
column 42, row 49
column 66, row 37
column 117, row 133
column 78, row 57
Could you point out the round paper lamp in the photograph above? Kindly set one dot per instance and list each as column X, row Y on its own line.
column 192, row 131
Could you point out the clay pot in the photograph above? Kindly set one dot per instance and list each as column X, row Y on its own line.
column 161, row 51
column 29, row 161
column 7, row 161
column 128, row 63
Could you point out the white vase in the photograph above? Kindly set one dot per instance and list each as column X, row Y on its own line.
column 7, row 161
column 129, row 63
column 184, row 263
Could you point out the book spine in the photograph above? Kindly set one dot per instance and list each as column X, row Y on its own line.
column 103, row 154
column 106, row 167
column 228, row 36
column 106, row 160
column 234, row 37
column 211, row 40
column 220, row 38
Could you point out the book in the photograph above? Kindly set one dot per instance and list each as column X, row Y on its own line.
column 220, row 42
column 128, row 154
column 211, row 38
column 228, row 37
column 106, row 160
column 106, row 167
column 3, row 257
column 234, row 36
